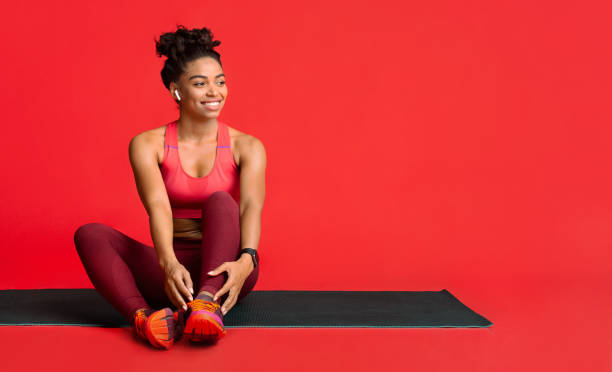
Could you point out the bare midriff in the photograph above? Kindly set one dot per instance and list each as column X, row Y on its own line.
column 190, row 228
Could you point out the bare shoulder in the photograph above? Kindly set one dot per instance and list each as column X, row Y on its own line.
column 246, row 146
column 152, row 140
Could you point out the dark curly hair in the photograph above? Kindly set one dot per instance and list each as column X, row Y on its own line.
column 182, row 47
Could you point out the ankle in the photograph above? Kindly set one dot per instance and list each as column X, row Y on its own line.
column 136, row 312
column 139, row 320
column 206, row 293
column 206, row 296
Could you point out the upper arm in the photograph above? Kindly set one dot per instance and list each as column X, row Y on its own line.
column 252, row 174
column 149, row 181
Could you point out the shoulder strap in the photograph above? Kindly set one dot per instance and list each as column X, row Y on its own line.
column 171, row 136
column 224, row 145
column 223, row 140
column 169, row 144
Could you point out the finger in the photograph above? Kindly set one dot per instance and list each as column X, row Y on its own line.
column 221, row 268
column 229, row 302
column 189, row 283
column 223, row 290
column 182, row 287
column 171, row 295
column 177, row 296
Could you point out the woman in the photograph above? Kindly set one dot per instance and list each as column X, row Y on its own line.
column 198, row 228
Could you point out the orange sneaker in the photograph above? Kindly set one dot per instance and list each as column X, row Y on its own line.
column 204, row 321
column 161, row 328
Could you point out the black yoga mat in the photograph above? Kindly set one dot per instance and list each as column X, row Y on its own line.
column 301, row 309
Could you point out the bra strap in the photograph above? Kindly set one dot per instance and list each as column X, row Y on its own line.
column 223, row 140
column 172, row 135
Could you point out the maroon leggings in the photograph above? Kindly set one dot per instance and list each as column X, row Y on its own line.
column 127, row 273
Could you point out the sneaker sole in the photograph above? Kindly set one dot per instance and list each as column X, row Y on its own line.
column 158, row 328
column 202, row 327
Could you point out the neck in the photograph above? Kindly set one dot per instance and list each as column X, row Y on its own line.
column 197, row 128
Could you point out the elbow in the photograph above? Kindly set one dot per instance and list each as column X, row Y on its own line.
column 251, row 207
column 158, row 207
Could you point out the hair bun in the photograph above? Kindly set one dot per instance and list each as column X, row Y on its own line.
column 174, row 44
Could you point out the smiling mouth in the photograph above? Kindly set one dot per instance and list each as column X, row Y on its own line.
column 214, row 103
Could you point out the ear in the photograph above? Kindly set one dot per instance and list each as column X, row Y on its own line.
column 173, row 88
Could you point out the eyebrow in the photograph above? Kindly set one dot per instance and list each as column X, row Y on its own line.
column 204, row 76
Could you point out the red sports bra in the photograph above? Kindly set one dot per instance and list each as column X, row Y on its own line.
column 188, row 193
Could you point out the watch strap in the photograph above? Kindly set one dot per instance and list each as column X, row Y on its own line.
column 253, row 253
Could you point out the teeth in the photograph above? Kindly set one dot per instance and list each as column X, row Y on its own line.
column 212, row 103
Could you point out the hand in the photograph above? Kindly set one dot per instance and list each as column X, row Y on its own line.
column 237, row 271
column 178, row 282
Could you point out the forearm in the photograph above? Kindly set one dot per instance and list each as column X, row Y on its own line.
column 160, row 223
column 250, row 229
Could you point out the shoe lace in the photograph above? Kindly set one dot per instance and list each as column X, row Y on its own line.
column 199, row 304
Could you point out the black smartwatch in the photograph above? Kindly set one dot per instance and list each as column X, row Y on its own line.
column 253, row 253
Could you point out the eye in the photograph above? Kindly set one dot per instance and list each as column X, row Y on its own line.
column 199, row 84
column 222, row 82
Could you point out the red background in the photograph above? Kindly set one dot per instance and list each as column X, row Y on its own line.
column 411, row 146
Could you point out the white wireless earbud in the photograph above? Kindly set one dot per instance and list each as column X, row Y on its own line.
column 177, row 95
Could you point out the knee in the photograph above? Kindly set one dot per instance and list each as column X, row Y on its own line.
column 222, row 199
column 86, row 231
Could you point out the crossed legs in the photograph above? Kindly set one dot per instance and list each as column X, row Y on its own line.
column 127, row 274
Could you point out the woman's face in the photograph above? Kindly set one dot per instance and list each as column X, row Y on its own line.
column 202, row 88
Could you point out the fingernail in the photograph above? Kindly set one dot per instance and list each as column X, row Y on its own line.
column 223, row 310
column 191, row 289
column 184, row 307
column 210, row 272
